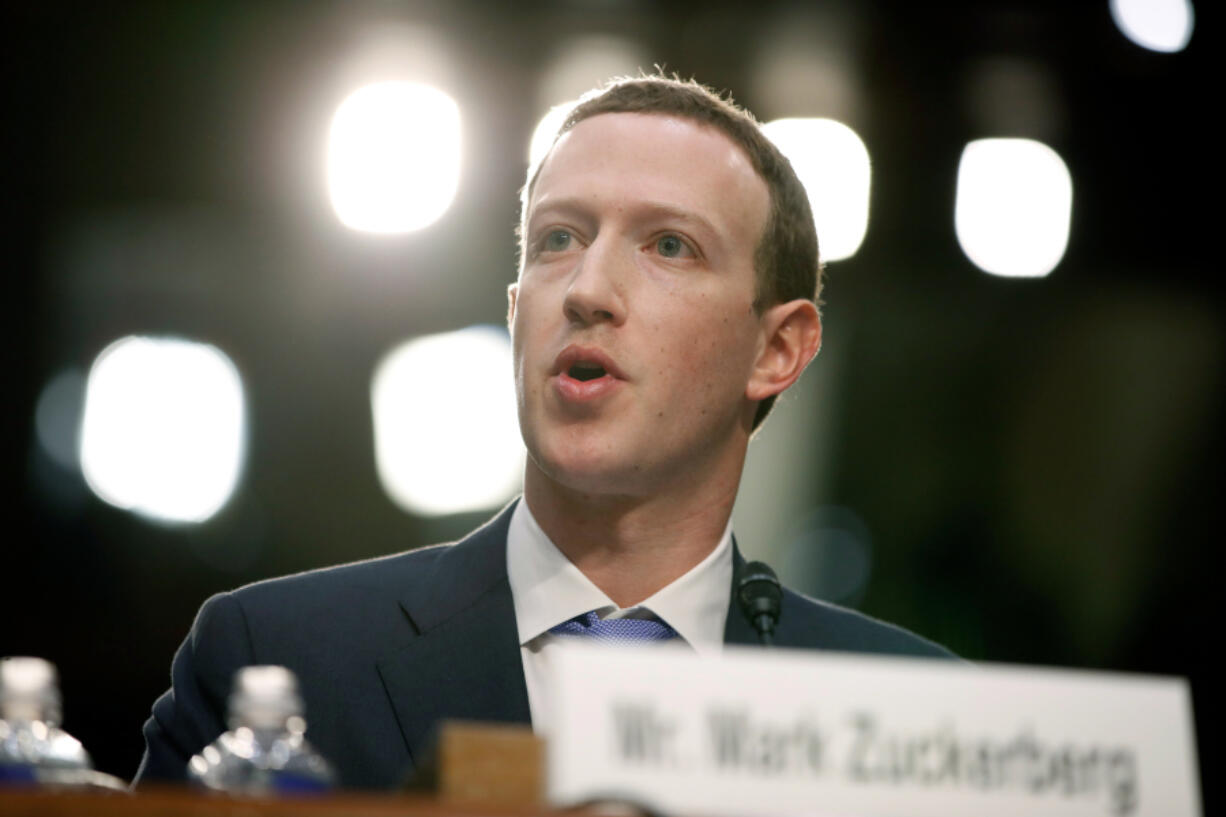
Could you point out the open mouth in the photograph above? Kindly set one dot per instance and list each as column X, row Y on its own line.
column 586, row 371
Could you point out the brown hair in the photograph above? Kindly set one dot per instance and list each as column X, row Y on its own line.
column 786, row 260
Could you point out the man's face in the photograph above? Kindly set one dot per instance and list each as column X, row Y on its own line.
column 633, row 324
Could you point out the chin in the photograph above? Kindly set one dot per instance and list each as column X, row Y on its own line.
column 588, row 469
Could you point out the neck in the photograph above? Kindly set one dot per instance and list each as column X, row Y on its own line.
column 631, row 546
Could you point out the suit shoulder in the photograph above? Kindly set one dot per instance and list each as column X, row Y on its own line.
column 829, row 626
column 409, row 570
column 379, row 574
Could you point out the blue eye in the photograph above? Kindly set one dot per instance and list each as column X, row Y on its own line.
column 556, row 241
column 670, row 246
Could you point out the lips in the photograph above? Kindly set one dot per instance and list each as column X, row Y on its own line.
column 585, row 373
column 585, row 363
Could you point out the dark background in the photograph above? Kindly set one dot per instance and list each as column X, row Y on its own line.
column 1033, row 460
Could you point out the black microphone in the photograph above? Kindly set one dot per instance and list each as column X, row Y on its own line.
column 760, row 596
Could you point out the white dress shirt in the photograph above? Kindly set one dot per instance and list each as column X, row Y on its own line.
column 548, row 589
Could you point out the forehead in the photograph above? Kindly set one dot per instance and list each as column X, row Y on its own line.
column 618, row 160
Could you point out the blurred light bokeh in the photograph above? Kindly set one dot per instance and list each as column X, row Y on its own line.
column 446, row 431
column 162, row 432
column 57, row 419
column 394, row 157
column 1013, row 207
column 833, row 164
column 1159, row 25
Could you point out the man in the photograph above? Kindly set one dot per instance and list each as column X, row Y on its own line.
column 666, row 295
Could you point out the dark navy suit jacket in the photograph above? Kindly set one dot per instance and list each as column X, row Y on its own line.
column 384, row 649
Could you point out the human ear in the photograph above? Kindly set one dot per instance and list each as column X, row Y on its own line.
column 792, row 334
column 512, row 294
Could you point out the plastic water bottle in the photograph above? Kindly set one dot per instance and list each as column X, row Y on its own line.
column 264, row 753
column 33, row 749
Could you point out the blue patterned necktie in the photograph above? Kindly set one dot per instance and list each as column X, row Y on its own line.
column 615, row 630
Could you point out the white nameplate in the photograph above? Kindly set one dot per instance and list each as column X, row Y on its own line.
column 782, row 732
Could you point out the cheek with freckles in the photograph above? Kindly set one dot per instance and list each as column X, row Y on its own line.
column 705, row 360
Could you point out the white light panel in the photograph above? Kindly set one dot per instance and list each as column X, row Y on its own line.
column 1013, row 208
column 163, row 430
column 394, row 157
column 1159, row 25
column 446, row 432
column 833, row 164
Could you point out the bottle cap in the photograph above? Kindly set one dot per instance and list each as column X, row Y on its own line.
column 29, row 690
column 264, row 697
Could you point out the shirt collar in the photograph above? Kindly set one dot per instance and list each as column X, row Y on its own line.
column 548, row 589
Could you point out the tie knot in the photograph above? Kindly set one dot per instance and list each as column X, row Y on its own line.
column 616, row 630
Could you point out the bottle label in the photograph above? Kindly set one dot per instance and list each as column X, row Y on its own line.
column 290, row 783
column 17, row 774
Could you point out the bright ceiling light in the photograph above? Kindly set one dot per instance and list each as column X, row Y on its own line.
column 163, row 428
column 394, row 157
column 1013, row 207
column 832, row 163
column 446, row 434
column 1159, row 25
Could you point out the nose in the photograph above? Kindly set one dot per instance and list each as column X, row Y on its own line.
column 596, row 291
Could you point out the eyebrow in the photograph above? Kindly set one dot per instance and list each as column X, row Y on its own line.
column 639, row 210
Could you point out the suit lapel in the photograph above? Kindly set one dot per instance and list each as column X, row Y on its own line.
column 465, row 661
